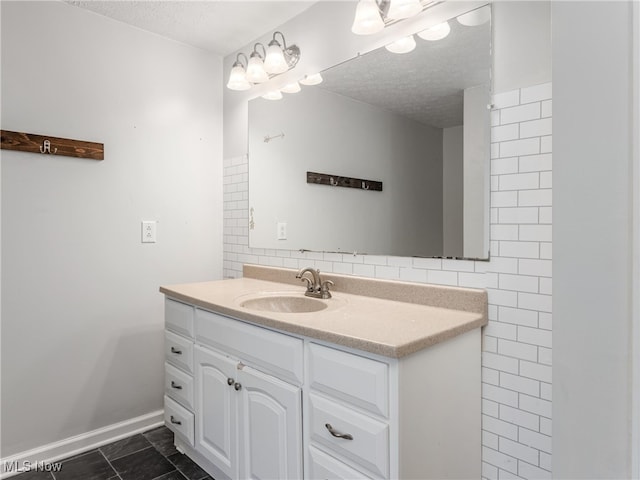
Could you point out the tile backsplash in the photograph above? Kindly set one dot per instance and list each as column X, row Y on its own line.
column 516, row 363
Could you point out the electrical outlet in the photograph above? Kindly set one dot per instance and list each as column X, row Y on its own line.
column 149, row 231
column 282, row 230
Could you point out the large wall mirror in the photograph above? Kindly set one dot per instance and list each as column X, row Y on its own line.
column 416, row 125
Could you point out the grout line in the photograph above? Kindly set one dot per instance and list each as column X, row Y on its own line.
column 109, row 463
column 130, row 453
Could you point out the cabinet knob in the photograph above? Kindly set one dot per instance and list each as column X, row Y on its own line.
column 175, row 385
column 346, row 436
column 237, row 386
column 174, row 421
column 230, row 381
column 176, row 351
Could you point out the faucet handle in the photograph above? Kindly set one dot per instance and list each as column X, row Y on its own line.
column 324, row 289
column 309, row 283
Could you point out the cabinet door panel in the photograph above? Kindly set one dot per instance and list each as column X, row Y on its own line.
column 270, row 420
column 215, row 404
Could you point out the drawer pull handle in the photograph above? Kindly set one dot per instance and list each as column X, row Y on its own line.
column 346, row 436
column 175, row 385
column 176, row 351
column 230, row 381
column 237, row 386
column 174, row 421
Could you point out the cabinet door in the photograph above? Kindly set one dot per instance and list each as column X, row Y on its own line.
column 215, row 409
column 270, row 421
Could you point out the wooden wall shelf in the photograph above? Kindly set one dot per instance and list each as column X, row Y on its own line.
column 33, row 143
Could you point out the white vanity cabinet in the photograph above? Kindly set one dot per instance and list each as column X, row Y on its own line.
column 261, row 403
column 240, row 414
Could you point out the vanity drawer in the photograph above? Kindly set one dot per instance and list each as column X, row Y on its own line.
column 178, row 419
column 369, row 446
column 275, row 353
column 178, row 385
column 178, row 351
column 360, row 381
column 323, row 467
column 178, row 317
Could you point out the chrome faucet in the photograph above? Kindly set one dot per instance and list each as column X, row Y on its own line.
column 315, row 288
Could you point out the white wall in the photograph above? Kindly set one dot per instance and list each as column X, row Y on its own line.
column 593, row 249
column 82, row 318
column 333, row 134
column 516, row 373
column 526, row 61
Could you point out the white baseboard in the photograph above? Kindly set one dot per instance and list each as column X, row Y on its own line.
column 46, row 455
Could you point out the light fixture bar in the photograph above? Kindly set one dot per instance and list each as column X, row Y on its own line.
column 260, row 67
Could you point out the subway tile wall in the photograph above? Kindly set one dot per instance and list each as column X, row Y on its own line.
column 516, row 356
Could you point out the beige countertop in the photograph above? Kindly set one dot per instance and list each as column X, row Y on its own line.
column 383, row 326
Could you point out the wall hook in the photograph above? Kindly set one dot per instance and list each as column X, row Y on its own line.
column 333, row 182
column 46, row 147
column 268, row 138
column 365, row 186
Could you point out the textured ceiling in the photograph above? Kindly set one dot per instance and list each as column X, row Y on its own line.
column 426, row 84
column 220, row 27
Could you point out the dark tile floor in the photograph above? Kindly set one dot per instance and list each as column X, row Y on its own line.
column 146, row 456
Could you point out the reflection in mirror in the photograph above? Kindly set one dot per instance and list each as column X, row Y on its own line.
column 417, row 123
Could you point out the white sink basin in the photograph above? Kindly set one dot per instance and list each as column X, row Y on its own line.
column 283, row 303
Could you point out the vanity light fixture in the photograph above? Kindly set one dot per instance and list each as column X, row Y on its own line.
column 372, row 15
column 277, row 58
column 402, row 45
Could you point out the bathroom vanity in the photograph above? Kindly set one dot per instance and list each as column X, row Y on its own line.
column 380, row 381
